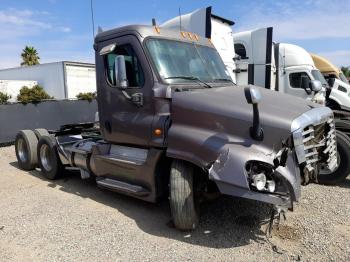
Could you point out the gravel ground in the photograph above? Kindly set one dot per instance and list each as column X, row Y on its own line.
column 72, row 220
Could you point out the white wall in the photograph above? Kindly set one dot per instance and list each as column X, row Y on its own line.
column 12, row 87
column 80, row 79
column 50, row 76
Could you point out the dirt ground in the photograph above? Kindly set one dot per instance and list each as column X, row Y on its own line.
column 72, row 220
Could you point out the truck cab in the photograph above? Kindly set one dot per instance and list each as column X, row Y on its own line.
column 281, row 67
column 284, row 68
column 339, row 97
column 172, row 123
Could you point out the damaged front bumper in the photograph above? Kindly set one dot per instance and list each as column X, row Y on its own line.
column 232, row 173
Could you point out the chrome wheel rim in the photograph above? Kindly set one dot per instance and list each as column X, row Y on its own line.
column 45, row 157
column 22, row 150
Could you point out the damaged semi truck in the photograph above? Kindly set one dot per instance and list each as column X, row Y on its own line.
column 172, row 123
column 280, row 67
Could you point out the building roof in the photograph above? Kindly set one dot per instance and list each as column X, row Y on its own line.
column 76, row 63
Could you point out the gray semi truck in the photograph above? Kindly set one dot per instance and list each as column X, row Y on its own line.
column 171, row 122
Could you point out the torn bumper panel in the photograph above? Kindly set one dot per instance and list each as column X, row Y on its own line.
column 232, row 177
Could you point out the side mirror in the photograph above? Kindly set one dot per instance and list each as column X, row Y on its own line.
column 316, row 85
column 305, row 84
column 331, row 82
column 120, row 72
column 252, row 95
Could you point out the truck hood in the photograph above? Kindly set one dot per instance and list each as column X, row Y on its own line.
column 224, row 110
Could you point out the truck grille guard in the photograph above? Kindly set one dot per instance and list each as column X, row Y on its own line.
column 315, row 142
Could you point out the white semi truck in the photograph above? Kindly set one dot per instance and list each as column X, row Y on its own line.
column 258, row 61
column 339, row 98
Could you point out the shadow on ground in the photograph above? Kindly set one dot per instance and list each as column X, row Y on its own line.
column 225, row 222
column 345, row 184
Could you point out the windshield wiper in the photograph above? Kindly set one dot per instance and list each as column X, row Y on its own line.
column 224, row 79
column 189, row 78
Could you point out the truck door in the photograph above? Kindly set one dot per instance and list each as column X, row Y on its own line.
column 242, row 65
column 255, row 65
column 125, row 114
column 293, row 83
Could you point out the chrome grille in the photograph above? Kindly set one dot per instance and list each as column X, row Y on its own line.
column 317, row 143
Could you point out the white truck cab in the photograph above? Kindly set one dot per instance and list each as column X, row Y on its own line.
column 340, row 94
column 339, row 97
column 281, row 67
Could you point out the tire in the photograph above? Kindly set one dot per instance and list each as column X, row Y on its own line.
column 333, row 105
column 39, row 132
column 343, row 170
column 25, row 147
column 343, row 125
column 48, row 159
column 183, row 206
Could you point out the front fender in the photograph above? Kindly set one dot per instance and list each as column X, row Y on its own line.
column 224, row 158
column 202, row 147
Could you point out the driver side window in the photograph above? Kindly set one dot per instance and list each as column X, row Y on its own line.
column 133, row 68
column 295, row 79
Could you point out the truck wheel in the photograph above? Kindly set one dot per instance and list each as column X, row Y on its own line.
column 183, row 206
column 343, row 125
column 39, row 132
column 48, row 158
column 25, row 147
column 343, row 170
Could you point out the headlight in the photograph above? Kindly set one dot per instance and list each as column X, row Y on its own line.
column 259, row 181
column 261, row 176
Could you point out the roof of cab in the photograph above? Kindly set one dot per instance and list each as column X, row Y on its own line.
column 148, row 30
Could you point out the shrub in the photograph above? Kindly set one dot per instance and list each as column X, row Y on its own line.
column 4, row 98
column 86, row 96
column 32, row 95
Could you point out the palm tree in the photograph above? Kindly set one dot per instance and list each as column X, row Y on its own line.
column 29, row 56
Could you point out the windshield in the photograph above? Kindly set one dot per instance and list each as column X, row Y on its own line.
column 343, row 78
column 179, row 62
column 318, row 76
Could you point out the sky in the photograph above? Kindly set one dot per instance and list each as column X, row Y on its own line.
column 62, row 29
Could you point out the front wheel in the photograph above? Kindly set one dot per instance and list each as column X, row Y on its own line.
column 343, row 169
column 183, row 205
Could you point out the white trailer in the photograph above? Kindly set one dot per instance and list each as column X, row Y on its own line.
column 12, row 87
column 59, row 79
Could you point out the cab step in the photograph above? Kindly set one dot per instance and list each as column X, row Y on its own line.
column 119, row 186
